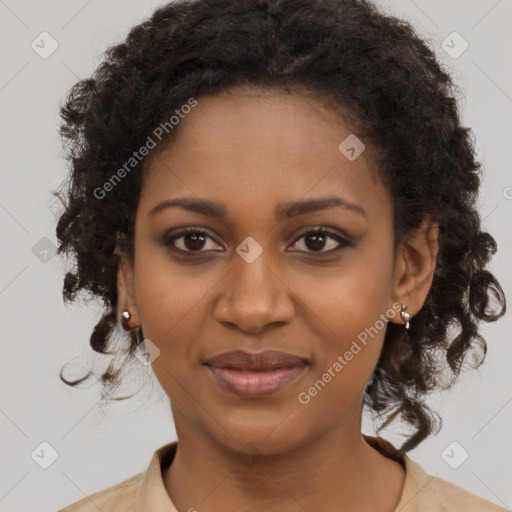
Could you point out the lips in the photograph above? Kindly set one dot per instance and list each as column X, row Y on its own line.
column 262, row 361
column 256, row 375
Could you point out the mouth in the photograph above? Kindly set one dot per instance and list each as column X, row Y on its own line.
column 256, row 375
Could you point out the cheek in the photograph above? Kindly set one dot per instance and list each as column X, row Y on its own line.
column 352, row 297
column 171, row 300
column 163, row 301
column 343, row 367
column 351, row 316
column 170, row 317
column 166, row 292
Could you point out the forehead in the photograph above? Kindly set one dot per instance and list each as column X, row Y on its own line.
column 261, row 147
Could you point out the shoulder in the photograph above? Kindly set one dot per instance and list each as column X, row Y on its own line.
column 119, row 498
column 426, row 493
column 143, row 491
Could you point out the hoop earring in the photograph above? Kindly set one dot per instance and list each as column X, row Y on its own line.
column 405, row 316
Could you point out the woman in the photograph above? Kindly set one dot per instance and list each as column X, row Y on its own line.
column 276, row 200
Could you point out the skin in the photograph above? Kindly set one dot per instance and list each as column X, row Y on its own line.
column 250, row 150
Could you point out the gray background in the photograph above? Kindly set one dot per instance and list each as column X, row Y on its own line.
column 98, row 447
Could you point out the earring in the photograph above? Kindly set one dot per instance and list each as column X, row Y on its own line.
column 405, row 316
column 125, row 317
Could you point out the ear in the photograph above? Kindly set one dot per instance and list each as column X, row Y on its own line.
column 414, row 268
column 126, row 291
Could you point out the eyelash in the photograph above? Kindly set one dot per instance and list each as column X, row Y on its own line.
column 322, row 230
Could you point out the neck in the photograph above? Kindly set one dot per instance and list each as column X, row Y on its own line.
column 339, row 468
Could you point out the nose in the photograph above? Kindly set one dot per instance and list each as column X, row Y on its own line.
column 254, row 295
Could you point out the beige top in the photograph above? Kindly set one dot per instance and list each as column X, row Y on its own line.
column 145, row 492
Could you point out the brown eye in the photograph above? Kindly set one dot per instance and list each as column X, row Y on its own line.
column 316, row 240
column 190, row 240
column 193, row 241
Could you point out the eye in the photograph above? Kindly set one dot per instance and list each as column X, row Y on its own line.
column 195, row 240
column 189, row 240
column 316, row 239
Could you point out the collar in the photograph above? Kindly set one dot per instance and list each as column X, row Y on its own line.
column 152, row 494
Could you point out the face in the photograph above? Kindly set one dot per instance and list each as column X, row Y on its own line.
column 258, row 272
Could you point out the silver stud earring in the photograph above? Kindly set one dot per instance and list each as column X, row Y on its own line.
column 126, row 315
column 405, row 316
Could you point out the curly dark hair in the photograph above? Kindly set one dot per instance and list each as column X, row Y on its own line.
column 397, row 96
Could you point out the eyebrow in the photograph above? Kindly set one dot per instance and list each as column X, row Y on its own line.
column 284, row 210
